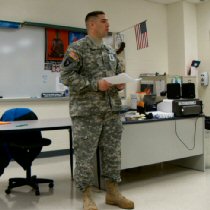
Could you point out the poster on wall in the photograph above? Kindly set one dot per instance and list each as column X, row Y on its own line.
column 56, row 44
column 75, row 36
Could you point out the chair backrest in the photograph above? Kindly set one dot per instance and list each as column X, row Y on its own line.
column 15, row 114
column 18, row 114
column 21, row 143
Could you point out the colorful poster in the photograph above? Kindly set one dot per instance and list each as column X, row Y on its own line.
column 75, row 36
column 56, row 44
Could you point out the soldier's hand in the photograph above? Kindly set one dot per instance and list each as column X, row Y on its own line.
column 120, row 86
column 103, row 85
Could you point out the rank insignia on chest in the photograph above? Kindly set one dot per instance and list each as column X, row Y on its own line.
column 74, row 55
column 111, row 57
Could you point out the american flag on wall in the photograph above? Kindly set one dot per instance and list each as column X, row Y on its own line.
column 141, row 35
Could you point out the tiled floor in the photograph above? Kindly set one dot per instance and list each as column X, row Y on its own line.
column 157, row 187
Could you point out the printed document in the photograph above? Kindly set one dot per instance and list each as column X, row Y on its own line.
column 121, row 78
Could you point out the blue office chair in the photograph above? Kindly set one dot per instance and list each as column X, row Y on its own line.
column 24, row 147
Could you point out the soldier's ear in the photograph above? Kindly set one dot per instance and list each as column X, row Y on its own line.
column 92, row 24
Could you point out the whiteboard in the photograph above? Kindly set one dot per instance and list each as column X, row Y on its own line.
column 22, row 57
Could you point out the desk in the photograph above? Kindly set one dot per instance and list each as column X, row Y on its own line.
column 146, row 142
column 143, row 142
column 42, row 125
column 155, row 141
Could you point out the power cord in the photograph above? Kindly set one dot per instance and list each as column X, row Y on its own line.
column 182, row 140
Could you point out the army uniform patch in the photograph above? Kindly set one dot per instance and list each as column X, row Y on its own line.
column 67, row 62
column 74, row 56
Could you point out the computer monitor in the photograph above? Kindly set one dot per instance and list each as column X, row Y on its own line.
column 147, row 88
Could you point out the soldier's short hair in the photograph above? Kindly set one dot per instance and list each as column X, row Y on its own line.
column 93, row 14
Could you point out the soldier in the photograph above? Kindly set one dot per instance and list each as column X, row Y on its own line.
column 94, row 109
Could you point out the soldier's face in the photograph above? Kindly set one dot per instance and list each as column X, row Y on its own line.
column 101, row 26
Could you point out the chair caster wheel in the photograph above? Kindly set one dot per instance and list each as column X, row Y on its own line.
column 51, row 185
column 8, row 191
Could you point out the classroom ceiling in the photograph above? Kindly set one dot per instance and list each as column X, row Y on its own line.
column 173, row 1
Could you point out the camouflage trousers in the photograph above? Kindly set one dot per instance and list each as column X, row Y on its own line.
column 89, row 132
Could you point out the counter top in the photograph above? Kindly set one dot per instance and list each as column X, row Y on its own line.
column 33, row 99
column 163, row 119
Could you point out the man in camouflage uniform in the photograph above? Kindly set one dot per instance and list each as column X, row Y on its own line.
column 94, row 109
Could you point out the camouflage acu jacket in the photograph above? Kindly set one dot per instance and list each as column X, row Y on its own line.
column 83, row 65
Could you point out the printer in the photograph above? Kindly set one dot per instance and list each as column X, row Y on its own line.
column 181, row 107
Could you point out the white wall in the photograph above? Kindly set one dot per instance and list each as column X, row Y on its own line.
column 190, row 34
column 176, row 49
column 182, row 36
column 203, row 29
column 155, row 57
column 122, row 13
column 203, row 19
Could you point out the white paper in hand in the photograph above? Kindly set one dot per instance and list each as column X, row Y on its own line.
column 121, row 78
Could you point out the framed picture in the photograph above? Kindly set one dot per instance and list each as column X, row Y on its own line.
column 56, row 44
